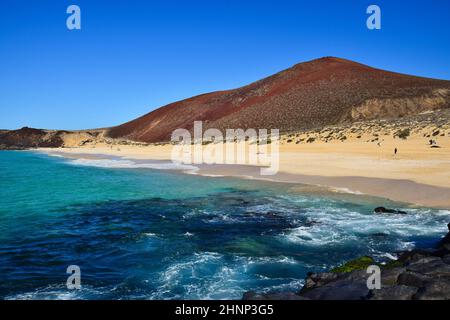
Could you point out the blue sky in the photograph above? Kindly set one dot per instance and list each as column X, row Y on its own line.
column 131, row 57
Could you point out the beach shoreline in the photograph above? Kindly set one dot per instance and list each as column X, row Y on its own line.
column 418, row 175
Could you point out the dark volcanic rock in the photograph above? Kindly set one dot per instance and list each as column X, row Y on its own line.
column 314, row 280
column 29, row 138
column 446, row 259
column 413, row 255
column 385, row 210
column 345, row 289
column 399, row 292
column 413, row 279
column 438, row 289
column 446, row 240
column 417, row 274
column 430, row 268
column 389, row 277
column 251, row 295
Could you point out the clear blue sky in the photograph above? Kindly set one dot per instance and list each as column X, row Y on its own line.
column 131, row 57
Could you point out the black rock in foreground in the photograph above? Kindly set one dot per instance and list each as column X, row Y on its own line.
column 416, row 275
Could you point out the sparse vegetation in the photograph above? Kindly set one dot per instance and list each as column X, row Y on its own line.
column 358, row 264
column 402, row 134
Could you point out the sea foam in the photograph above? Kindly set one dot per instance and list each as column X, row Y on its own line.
column 129, row 164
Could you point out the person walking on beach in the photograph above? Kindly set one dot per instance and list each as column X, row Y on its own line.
column 395, row 151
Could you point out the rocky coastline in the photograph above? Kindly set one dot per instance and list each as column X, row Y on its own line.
column 415, row 275
column 27, row 138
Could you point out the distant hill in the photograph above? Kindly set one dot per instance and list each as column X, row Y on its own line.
column 326, row 91
column 29, row 138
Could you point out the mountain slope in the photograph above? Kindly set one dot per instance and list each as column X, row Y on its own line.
column 321, row 92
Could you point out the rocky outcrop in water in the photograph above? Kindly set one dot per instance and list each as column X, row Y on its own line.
column 416, row 275
column 385, row 210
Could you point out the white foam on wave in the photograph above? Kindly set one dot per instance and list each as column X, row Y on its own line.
column 151, row 235
column 271, row 260
column 60, row 292
column 212, row 175
column 189, row 274
column 55, row 155
column 443, row 212
column 293, row 284
column 270, row 207
column 389, row 255
column 129, row 164
column 197, row 172
column 345, row 190
column 340, row 226
column 210, row 275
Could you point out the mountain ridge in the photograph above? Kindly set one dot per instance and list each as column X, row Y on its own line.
column 324, row 91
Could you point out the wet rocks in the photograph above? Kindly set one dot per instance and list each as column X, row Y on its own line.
column 251, row 295
column 446, row 240
column 390, row 276
column 416, row 275
column 315, row 280
column 342, row 289
column 400, row 292
column 435, row 267
column 413, row 279
column 446, row 259
column 386, row 210
column 438, row 289
column 425, row 278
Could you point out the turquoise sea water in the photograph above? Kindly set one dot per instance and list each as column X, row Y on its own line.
column 142, row 233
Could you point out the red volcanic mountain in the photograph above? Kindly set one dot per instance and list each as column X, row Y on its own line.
column 321, row 92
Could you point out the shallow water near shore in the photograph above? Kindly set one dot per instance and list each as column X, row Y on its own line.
column 143, row 233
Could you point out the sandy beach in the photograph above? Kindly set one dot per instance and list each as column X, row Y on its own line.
column 418, row 174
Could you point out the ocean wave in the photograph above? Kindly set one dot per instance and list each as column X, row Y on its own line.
column 129, row 164
column 316, row 236
column 151, row 235
column 292, row 285
column 60, row 292
column 55, row 155
column 201, row 276
column 211, row 275
column 345, row 190
column 271, row 260
column 340, row 226
column 272, row 206
column 197, row 172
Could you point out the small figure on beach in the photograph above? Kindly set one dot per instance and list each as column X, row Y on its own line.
column 395, row 151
